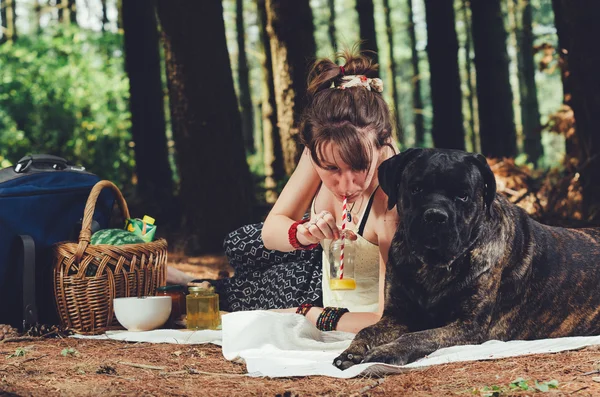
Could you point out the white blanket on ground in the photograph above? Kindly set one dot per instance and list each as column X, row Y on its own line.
column 285, row 345
column 176, row 336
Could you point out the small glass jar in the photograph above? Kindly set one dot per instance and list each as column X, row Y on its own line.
column 202, row 308
column 341, row 278
column 177, row 294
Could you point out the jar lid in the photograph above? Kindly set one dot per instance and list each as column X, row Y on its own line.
column 203, row 290
column 174, row 287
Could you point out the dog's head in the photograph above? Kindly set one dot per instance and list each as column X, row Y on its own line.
column 442, row 196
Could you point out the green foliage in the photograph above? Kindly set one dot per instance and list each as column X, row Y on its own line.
column 489, row 391
column 519, row 384
column 19, row 352
column 69, row 351
column 65, row 92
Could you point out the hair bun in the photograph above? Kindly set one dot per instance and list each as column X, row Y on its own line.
column 326, row 72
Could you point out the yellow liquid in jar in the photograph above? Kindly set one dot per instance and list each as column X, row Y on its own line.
column 203, row 312
column 345, row 283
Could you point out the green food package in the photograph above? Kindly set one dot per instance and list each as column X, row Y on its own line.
column 144, row 228
column 115, row 237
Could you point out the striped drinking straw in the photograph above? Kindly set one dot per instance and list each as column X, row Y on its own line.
column 344, row 218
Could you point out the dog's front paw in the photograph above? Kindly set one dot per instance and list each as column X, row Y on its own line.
column 352, row 355
column 390, row 353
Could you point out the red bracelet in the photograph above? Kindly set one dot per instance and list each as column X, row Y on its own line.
column 304, row 308
column 294, row 240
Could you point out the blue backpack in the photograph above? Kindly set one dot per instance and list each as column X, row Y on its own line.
column 42, row 199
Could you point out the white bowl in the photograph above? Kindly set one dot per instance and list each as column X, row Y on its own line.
column 142, row 314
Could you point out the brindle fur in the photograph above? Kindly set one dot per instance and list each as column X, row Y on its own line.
column 497, row 273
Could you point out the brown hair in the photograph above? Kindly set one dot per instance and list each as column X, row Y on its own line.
column 349, row 117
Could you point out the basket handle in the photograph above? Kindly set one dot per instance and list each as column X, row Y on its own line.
column 88, row 213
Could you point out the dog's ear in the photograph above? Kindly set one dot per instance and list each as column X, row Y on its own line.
column 389, row 173
column 488, row 178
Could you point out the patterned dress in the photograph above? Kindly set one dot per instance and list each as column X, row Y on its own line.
column 267, row 279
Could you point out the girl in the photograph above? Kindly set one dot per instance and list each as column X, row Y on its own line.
column 347, row 134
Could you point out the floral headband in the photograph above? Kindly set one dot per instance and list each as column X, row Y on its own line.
column 359, row 80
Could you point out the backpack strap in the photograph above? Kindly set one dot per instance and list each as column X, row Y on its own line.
column 25, row 253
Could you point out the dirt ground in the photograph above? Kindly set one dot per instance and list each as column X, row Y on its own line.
column 207, row 266
column 75, row 367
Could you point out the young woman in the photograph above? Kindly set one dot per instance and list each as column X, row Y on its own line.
column 347, row 134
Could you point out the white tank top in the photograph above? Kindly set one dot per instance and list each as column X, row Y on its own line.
column 365, row 298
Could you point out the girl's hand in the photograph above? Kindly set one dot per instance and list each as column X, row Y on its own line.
column 322, row 226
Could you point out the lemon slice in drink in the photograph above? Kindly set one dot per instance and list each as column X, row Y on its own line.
column 346, row 283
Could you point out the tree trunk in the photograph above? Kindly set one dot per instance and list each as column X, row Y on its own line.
column 142, row 63
column 446, row 98
column 3, row 26
column 366, row 22
column 331, row 25
column 215, row 183
column 119, row 19
column 104, row 16
column 72, row 12
column 470, row 84
column 572, row 147
column 582, row 31
column 246, row 108
column 9, row 16
column 564, row 39
column 494, row 95
column 290, row 28
column 272, row 152
column 392, row 72
column 417, row 99
column 37, row 9
column 61, row 5
column 509, row 15
column 67, row 12
column 530, row 112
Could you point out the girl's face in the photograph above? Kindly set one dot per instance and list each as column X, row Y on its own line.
column 340, row 178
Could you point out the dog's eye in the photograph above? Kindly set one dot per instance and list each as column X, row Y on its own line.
column 464, row 197
column 416, row 189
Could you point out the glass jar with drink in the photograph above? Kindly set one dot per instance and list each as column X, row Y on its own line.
column 341, row 263
column 177, row 294
column 202, row 308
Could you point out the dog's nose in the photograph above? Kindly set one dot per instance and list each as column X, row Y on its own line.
column 434, row 215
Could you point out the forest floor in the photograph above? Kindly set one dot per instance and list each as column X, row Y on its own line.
column 79, row 367
column 111, row 368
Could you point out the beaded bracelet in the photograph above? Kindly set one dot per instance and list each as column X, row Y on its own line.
column 304, row 308
column 293, row 239
column 329, row 318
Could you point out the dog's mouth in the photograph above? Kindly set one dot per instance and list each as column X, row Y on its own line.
column 434, row 257
column 432, row 242
column 435, row 248
column 436, row 252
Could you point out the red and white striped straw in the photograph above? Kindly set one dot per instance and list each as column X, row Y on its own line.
column 344, row 219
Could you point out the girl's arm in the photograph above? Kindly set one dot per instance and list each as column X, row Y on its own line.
column 349, row 322
column 292, row 204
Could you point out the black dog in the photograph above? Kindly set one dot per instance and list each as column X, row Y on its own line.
column 467, row 266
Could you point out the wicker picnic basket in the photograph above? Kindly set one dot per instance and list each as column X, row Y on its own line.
column 87, row 277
